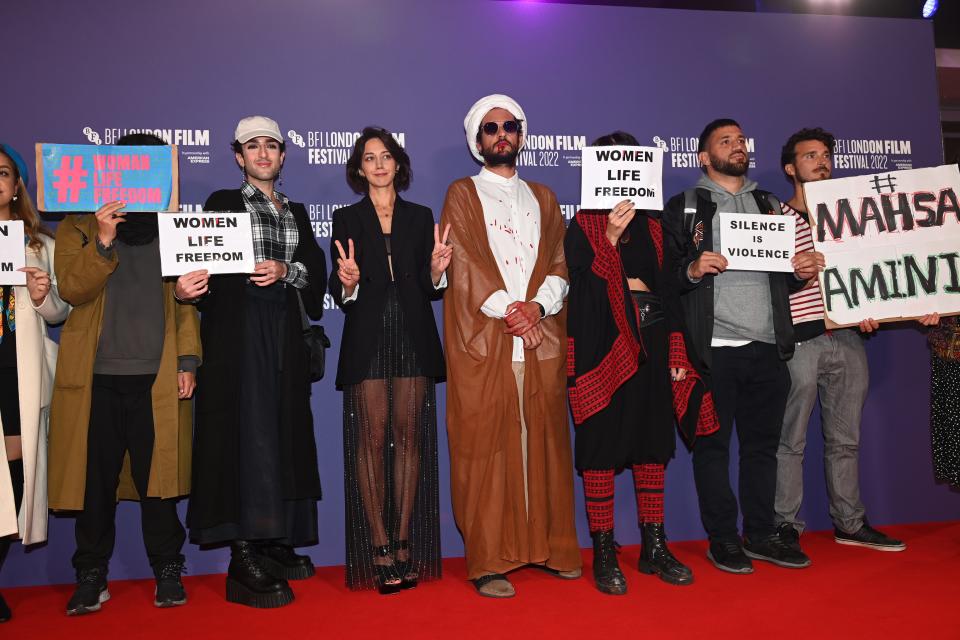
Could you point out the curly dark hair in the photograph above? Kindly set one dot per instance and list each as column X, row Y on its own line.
column 788, row 155
column 404, row 173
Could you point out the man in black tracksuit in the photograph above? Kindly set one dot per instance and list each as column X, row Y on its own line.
column 741, row 334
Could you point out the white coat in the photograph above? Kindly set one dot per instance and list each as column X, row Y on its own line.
column 36, row 362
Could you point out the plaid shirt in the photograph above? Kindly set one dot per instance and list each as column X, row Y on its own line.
column 275, row 235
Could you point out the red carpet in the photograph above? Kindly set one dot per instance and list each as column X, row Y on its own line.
column 848, row 592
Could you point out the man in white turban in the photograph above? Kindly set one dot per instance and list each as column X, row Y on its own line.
column 505, row 333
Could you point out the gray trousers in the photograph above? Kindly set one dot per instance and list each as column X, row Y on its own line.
column 834, row 364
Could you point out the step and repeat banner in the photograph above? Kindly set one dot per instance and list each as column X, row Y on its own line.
column 88, row 73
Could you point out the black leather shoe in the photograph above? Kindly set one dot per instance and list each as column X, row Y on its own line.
column 281, row 561
column 606, row 568
column 869, row 537
column 728, row 556
column 789, row 535
column 656, row 559
column 249, row 584
column 91, row 591
column 169, row 591
column 5, row 613
column 772, row 549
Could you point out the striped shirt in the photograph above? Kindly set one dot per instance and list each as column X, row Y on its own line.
column 806, row 305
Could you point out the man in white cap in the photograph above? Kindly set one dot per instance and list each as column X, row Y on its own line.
column 505, row 334
column 255, row 479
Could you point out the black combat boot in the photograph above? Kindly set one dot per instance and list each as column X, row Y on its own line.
column 655, row 557
column 606, row 568
column 248, row 583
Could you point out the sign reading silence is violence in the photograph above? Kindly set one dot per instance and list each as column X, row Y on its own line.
column 891, row 243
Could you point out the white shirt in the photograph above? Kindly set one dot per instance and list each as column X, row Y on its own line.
column 512, row 216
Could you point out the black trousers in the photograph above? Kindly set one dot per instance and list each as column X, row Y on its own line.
column 121, row 421
column 750, row 387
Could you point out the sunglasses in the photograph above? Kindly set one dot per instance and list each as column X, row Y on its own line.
column 509, row 126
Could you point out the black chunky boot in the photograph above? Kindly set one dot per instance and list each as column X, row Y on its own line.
column 281, row 561
column 248, row 583
column 655, row 557
column 606, row 568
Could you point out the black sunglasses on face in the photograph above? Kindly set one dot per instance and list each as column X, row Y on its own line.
column 509, row 126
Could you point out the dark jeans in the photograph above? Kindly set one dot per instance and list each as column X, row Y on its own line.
column 750, row 386
column 121, row 421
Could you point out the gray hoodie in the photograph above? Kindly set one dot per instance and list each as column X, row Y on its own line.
column 742, row 309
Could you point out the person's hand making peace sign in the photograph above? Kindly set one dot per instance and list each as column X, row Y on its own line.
column 347, row 271
column 442, row 252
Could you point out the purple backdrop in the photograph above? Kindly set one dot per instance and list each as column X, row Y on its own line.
column 86, row 71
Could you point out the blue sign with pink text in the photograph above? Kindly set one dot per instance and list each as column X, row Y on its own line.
column 81, row 177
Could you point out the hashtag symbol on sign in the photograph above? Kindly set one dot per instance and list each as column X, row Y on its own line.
column 891, row 183
column 70, row 179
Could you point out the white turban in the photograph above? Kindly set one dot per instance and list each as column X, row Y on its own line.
column 483, row 106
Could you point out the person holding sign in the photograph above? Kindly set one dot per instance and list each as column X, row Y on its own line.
column 833, row 363
column 392, row 263
column 625, row 345
column 128, row 353
column 740, row 335
column 255, row 477
column 27, row 358
column 505, row 339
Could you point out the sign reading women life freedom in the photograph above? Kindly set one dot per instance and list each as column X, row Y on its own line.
column 609, row 175
column 13, row 256
column 217, row 242
column 891, row 243
column 84, row 177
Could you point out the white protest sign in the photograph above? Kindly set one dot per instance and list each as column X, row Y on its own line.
column 891, row 243
column 217, row 242
column 12, row 253
column 609, row 175
column 757, row 242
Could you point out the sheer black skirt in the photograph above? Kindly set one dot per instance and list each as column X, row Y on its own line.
column 390, row 459
column 945, row 419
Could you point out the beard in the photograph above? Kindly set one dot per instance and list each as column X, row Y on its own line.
column 735, row 169
column 493, row 159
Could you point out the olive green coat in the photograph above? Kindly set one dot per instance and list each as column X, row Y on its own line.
column 82, row 274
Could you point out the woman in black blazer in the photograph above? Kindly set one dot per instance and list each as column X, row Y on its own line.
column 390, row 267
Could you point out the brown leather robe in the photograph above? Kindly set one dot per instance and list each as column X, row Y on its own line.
column 483, row 411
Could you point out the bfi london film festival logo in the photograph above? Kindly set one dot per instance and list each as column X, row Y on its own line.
column 332, row 147
column 872, row 154
column 551, row 150
column 681, row 151
column 191, row 142
column 321, row 217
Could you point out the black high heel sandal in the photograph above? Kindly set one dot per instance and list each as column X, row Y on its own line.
column 388, row 577
column 408, row 577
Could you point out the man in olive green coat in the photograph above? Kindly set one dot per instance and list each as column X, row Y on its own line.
column 120, row 420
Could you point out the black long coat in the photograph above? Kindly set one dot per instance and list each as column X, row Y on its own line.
column 214, row 498
column 411, row 245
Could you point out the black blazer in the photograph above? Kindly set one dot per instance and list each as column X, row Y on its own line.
column 411, row 245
